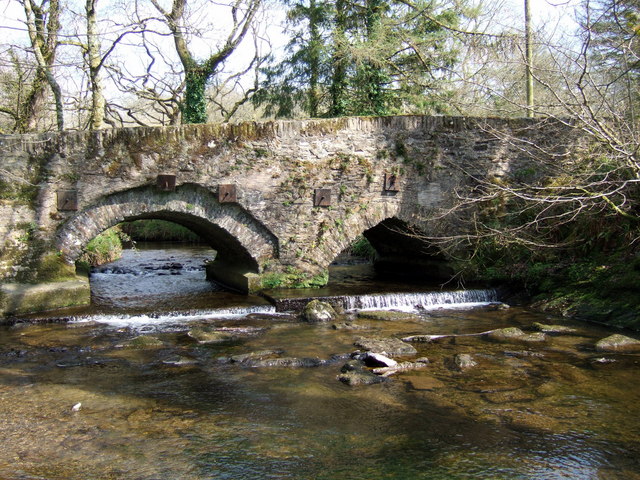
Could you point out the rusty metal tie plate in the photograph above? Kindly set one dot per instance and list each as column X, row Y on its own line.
column 322, row 197
column 67, row 200
column 227, row 193
column 391, row 183
column 166, row 183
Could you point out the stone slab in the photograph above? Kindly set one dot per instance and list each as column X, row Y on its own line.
column 20, row 298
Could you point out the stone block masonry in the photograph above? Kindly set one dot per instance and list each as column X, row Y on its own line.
column 384, row 177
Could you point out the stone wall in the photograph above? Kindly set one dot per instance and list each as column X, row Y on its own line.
column 276, row 169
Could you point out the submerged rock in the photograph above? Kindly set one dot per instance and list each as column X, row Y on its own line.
column 251, row 356
column 143, row 341
column 179, row 361
column 348, row 326
column 386, row 315
column 618, row 343
column 514, row 334
column 463, row 361
column 388, row 346
column 318, row 311
column 360, row 377
column 202, row 335
column 553, row 329
column 424, row 382
column 290, row 362
column 400, row 367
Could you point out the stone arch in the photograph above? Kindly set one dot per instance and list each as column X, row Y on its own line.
column 401, row 245
column 243, row 243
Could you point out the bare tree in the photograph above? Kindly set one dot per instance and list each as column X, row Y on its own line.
column 43, row 27
column 197, row 73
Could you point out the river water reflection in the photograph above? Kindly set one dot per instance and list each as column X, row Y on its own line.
column 157, row 404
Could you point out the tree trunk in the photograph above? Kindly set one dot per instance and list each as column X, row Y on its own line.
column 528, row 57
column 44, row 40
column 314, row 59
column 339, row 81
column 94, row 59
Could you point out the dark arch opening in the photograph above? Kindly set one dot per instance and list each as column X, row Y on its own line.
column 229, row 248
column 404, row 251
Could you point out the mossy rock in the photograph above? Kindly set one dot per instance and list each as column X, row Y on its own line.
column 318, row 311
column 21, row 298
column 52, row 268
column 553, row 329
column 618, row 343
column 515, row 335
column 389, row 346
column 202, row 335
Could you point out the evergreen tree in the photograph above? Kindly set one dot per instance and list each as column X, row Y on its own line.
column 362, row 57
column 299, row 81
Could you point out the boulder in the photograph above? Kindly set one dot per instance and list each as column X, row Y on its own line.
column 388, row 346
column 514, row 334
column 318, row 311
column 618, row 343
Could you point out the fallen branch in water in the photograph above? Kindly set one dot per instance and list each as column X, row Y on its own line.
column 431, row 338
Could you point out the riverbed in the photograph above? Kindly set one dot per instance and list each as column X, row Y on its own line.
column 133, row 390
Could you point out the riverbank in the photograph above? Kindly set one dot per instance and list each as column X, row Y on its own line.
column 601, row 288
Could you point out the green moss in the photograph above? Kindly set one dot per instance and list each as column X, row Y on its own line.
column 21, row 193
column 104, row 248
column 293, row 278
column 53, row 268
column 158, row 231
column 361, row 247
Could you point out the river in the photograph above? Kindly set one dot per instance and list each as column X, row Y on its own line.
column 129, row 389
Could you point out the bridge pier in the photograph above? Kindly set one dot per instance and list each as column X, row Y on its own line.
column 234, row 277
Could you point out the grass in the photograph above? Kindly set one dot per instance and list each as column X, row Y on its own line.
column 158, row 231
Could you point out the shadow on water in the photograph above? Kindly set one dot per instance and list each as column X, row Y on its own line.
column 154, row 401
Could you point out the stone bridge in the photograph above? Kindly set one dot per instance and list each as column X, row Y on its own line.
column 279, row 201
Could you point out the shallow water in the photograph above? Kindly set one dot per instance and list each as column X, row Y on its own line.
column 156, row 404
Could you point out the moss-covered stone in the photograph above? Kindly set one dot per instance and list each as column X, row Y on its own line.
column 514, row 334
column 52, row 268
column 618, row 343
column 17, row 299
column 318, row 311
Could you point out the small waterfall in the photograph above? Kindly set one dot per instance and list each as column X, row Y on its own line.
column 173, row 318
column 395, row 301
column 423, row 300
